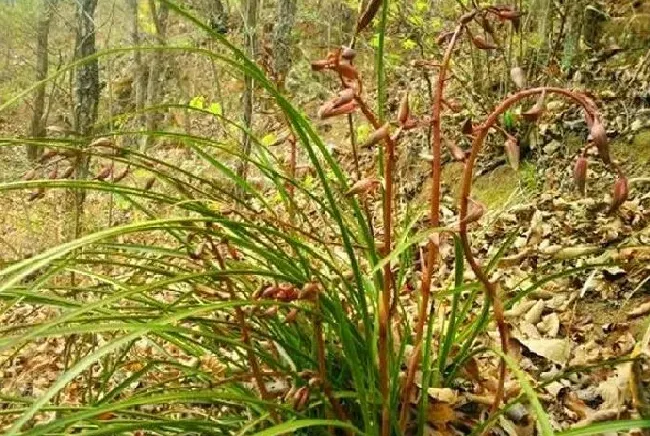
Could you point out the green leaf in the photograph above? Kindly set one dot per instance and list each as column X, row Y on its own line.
column 289, row 427
column 542, row 418
column 197, row 102
column 215, row 108
column 408, row 44
column 269, row 139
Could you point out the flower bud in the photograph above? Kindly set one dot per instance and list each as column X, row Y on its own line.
column 456, row 152
column 475, row 211
column 580, row 174
column 38, row 193
column 517, row 75
column 348, row 53
column 620, row 194
column 599, row 138
column 291, row 316
column 378, row 135
column 363, row 186
column 404, row 110
column 149, row 183
column 512, row 152
column 29, row 175
column 482, row 44
column 300, row 398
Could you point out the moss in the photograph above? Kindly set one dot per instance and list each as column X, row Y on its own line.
column 492, row 189
column 638, row 149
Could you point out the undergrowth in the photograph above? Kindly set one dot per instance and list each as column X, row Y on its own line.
column 271, row 308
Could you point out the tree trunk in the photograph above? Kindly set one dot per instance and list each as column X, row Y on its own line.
column 218, row 16
column 250, row 25
column 284, row 20
column 87, row 93
column 42, row 65
column 159, row 18
column 139, row 85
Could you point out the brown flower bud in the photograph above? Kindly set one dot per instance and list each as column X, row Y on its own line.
column 453, row 105
column 300, row 398
column 444, row 37
column 291, row 316
column 468, row 127
column 467, row 17
column 149, row 183
column 363, row 186
column 54, row 172
column 38, row 193
column 348, row 53
column 271, row 311
column 104, row 173
column 512, row 152
column 456, row 152
column 310, row 291
column 29, row 175
column 580, row 174
column 345, row 96
column 620, row 194
column 102, row 142
column 121, row 175
column 328, row 109
column 537, row 110
column 270, row 292
column 518, row 76
column 68, row 172
column 482, row 44
column 599, row 138
column 404, row 110
column 314, row 382
column 290, row 393
column 320, row 64
column 378, row 135
column 49, row 154
column 475, row 211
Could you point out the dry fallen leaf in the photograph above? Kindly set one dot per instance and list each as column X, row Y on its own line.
column 555, row 350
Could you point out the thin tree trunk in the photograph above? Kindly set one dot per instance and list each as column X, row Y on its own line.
column 42, row 66
column 87, row 93
column 159, row 17
column 139, row 85
column 250, row 25
column 284, row 20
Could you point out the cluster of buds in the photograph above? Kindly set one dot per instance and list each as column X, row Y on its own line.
column 287, row 293
column 47, row 159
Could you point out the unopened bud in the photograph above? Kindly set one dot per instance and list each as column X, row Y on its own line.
column 620, row 194
column 363, row 186
column 378, row 135
column 456, row 152
column 29, row 175
column 291, row 316
column 314, row 382
column 310, row 291
column 300, row 398
column 512, row 152
column 475, row 212
column 271, row 311
column 580, row 174
column 348, row 53
column 599, row 138
column 404, row 110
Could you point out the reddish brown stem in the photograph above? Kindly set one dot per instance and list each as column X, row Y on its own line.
column 434, row 218
column 245, row 337
column 490, row 287
column 322, row 369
